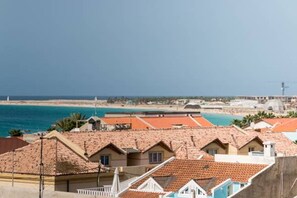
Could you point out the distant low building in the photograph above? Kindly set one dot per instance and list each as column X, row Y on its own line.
column 275, row 105
column 286, row 126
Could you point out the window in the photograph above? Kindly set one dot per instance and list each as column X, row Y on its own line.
column 105, row 160
column 251, row 149
column 241, row 185
column 229, row 190
column 155, row 157
column 212, row 151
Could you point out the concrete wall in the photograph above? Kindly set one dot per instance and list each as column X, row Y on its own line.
column 245, row 150
column 261, row 125
column 244, row 159
column 15, row 192
column 278, row 181
column 116, row 159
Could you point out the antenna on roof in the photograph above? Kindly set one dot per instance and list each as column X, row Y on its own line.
column 95, row 105
column 283, row 88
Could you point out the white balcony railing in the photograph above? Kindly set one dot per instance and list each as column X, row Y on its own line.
column 99, row 191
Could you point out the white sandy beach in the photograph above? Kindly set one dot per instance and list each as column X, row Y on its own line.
column 104, row 104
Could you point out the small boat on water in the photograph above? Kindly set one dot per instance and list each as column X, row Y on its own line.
column 7, row 99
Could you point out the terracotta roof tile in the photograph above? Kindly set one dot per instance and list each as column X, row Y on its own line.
column 140, row 123
column 185, row 170
column 194, row 138
column 170, row 122
column 283, row 144
column 136, row 124
column 58, row 159
column 137, row 194
column 273, row 121
column 204, row 122
column 289, row 126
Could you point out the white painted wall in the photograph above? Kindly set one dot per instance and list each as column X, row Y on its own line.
column 244, row 159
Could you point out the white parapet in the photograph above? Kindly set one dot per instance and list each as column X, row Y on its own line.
column 244, row 159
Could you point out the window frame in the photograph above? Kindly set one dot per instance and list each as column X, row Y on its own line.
column 251, row 149
column 157, row 161
column 212, row 153
column 109, row 159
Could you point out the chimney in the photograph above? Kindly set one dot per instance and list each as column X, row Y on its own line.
column 192, row 139
column 85, row 147
column 136, row 143
column 269, row 149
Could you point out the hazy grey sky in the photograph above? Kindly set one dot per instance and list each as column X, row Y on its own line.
column 147, row 47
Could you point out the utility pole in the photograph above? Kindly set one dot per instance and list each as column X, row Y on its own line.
column 98, row 174
column 41, row 168
column 283, row 88
column 12, row 181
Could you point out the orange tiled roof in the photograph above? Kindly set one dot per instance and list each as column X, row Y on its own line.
column 289, row 126
column 185, row 170
column 283, row 144
column 273, row 121
column 169, row 122
column 136, row 123
column 137, row 194
column 58, row 160
column 140, row 123
column 203, row 122
column 190, row 138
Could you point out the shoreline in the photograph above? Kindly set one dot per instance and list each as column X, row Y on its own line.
column 104, row 104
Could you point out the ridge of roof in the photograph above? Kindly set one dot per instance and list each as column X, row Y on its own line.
column 195, row 121
column 78, row 150
column 145, row 122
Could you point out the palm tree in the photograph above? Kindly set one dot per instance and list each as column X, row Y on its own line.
column 292, row 114
column 68, row 123
column 77, row 116
column 64, row 124
column 237, row 122
column 15, row 133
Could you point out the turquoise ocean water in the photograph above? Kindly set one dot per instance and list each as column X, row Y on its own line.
column 40, row 118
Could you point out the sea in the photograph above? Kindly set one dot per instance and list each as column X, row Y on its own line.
column 39, row 118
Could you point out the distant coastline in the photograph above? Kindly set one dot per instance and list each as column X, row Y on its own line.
column 104, row 104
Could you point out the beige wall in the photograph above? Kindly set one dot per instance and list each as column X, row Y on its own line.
column 116, row 159
column 231, row 150
column 215, row 146
column 9, row 192
column 245, row 150
column 25, row 181
column 58, row 183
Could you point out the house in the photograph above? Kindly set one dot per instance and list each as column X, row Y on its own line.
column 64, row 167
column 145, row 120
column 134, row 148
column 193, row 178
column 10, row 144
column 269, row 123
column 286, row 126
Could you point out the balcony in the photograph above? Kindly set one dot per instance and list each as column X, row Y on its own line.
column 99, row 191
